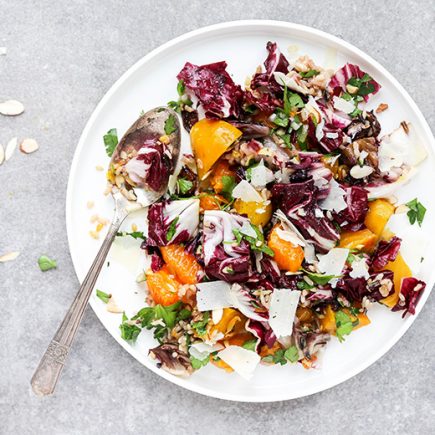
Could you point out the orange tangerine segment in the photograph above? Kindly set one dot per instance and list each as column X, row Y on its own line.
column 163, row 287
column 181, row 264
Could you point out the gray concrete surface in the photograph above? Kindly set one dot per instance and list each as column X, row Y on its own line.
column 62, row 57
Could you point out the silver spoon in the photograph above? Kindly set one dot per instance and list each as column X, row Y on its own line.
column 147, row 129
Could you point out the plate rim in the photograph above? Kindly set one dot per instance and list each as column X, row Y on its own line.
column 131, row 70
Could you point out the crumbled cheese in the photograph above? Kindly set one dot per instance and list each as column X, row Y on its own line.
column 360, row 269
column 242, row 361
column 260, row 175
column 343, row 105
column 335, row 199
column 333, row 262
column 282, row 311
column 246, row 192
column 359, row 172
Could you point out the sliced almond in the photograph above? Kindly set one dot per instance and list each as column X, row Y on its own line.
column 11, row 108
column 10, row 148
column 111, row 307
column 2, row 154
column 9, row 256
column 28, row 146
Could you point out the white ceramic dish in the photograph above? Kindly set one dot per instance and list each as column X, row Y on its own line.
column 151, row 82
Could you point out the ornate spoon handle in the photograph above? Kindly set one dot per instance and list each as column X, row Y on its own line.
column 48, row 371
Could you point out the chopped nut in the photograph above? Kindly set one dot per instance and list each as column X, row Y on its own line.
column 9, row 256
column 11, row 108
column 164, row 139
column 94, row 235
column 351, row 89
column 28, row 146
column 381, row 108
column 402, row 208
column 90, row 204
column 133, row 227
column 99, row 227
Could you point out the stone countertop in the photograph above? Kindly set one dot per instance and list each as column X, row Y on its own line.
column 61, row 58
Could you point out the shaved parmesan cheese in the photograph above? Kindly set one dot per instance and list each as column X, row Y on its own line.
column 246, row 192
column 242, row 361
column 343, row 105
column 202, row 350
column 213, row 295
column 360, row 269
column 260, row 175
column 335, row 199
column 387, row 189
column 359, row 172
column 289, row 236
column 333, row 262
column 401, row 147
column 247, row 230
column 216, row 315
column 282, row 311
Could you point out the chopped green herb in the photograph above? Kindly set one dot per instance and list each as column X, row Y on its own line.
column 175, row 105
column 103, row 296
column 129, row 330
column 292, row 354
column 281, row 118
column 319, row 278
column 256, row 243
column 250, row 345
column 142, row 113
column 201, row 325
column 357, row 111
column 197, row 363
column 344, row 325
column 184, row 186
column 180, row 88
column 135, row 234
column 46, row 263
column 416, row 211
column 279, row 357
column 172, row 228
column 310, row 73
column 170, row 124
column 228, row 184
column 110, row 141
column 295, row 100
column 363, row 85
column 303, row 285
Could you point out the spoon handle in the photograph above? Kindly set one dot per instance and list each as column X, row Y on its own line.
column 48, row 371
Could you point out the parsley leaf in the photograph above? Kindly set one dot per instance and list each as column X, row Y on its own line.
column 363, row 85
column 303, row 285
column 344, row 325
column 175, row 105
column 184, row 186
column 292, row 354
column 197, row 363
column 181, row 88
column 319, row 278
column 228, row 184
column 281, row 118
column 170, row 125
column 110, row 141
column 103, row 296
column 256, row 243
column 308, row 74
column 250, row 345
column 135, row 234
column 279, row 357
column 46, row 263
column 416, row 211
column 129, row 330
column 172, row 228
column 201, row 325
column 295, row 100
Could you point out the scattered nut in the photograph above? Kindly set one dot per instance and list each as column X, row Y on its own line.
column 111, row 307
column 11, row 108
column 90, row 204
column 94, row 235
column 28, row 146
column 99, row 168
column 9, row 256
column 10, row 148
column 401, row 209
column 133, row 227
column 381, row 108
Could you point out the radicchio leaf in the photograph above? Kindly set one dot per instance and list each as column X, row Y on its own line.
column 410, row 293
column 215, row 89
column 352, row 217
column 385, row 252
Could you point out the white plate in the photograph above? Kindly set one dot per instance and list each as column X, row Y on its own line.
column 151, row 82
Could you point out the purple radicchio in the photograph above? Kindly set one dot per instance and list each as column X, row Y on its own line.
column 262, row 331
column 340, row 80
column 297, row 201
column 352, row 217
column 385, row 252
column 152, row 165
column 216, row 91
column 223, row 257
column 410, row 293
column 172, row 222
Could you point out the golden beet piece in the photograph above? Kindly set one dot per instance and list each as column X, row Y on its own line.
column 257, row 212
column 287, row 255
column 378, row 215
column 362, row 240
column 400, row 270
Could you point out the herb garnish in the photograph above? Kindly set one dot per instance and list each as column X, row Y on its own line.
column 103, row 296
column 319, row 278
column 110, row 141
column 363, row 85
column 256, row 243
column 250, row 345
column 46, row 263
column 201, row 325
column 170, row 125
column 135, row 234
column 228, row 185
column 129, row 330
column 344, row 325
column 184, row 186
column 172, row 228
column 416, row 211
column 197, row 363
column 282, row 356
column 308, row 74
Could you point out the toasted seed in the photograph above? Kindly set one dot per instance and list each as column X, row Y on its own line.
column 11, row 108
column 10, row 148
column 2, row 154
column 9, row 256
column 28, row 146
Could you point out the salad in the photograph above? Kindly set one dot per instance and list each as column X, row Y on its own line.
column 272, row 239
